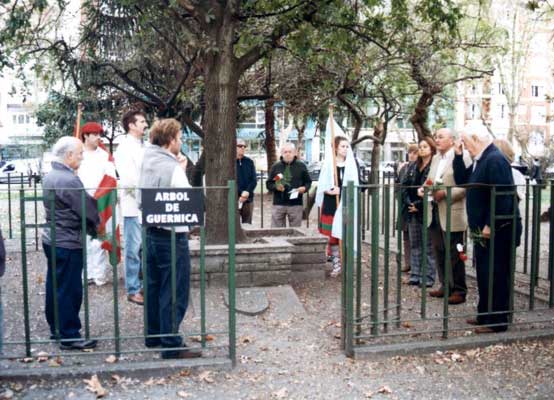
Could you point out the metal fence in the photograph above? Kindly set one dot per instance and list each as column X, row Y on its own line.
column 379, row 308
column 119, row 327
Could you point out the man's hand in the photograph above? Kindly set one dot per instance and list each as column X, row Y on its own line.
column 486, row 232
column 412, row 208
column 182, row 161
column 458, row 147
column 244, row 196
column 420, row 192
column 301, row 189
column 334, row 192
column 439, row 195
column 279, row 187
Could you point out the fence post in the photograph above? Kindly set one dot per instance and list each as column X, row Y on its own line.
column 24, row 274
column 349, row 271
column 232, row 316
column 447, row 261
column 375, row 260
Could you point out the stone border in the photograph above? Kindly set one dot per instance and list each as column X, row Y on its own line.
column 469, row 342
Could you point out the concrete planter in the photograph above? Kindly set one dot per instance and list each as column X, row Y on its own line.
column 276, row 257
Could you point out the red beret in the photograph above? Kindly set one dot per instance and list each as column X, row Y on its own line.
column 91, row 127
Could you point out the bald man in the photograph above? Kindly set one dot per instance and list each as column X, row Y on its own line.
column 441, row 171
column 288, row 180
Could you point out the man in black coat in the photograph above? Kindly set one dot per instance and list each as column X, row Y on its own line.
column 490, row 168
column 288, row 180
column 246, row 183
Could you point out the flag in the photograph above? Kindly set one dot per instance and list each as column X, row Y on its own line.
column 106, row 196
column 327, row 176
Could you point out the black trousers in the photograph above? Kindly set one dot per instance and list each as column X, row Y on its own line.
column 501, row 279
column 457, row 273
column 69, row 291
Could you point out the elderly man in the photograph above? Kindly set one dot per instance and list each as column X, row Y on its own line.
column 489, row 168
column 94, row 167
column 128, row 160
column 246, row 183
column 288, row 180
column 164, row 167
column 441, row 171
column 62, row 189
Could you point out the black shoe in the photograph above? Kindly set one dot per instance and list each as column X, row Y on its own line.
column 413, row 283
column 189, row 353
column 428, row 284
column 150, row 343
column 78, row 344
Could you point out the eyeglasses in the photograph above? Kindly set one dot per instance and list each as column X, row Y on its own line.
column 241, row 146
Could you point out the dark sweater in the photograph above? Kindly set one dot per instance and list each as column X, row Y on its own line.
column 298, row 177
column 246, row 177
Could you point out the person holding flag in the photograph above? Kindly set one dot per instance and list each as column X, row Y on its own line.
column 96, row 168
column 339, row 168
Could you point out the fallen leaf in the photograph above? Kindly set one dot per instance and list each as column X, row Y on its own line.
column 184, row 372
column 40, row 280
column 111, row 359
column 246, row 339
column 183, row 394
column 56, row 362
column 27, row 360
column 406, row 324
column 281, row 393
column 94, row 386
column 198, row 338
column 420, row 369
column 385, row 390
column 42, row 356
column 456, row 357
column 205, row 376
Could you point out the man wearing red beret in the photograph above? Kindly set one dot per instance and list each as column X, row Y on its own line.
column 94, row 167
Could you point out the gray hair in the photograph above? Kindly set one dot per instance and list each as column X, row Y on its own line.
column 480, row 131
column 290, row 145
column 63, row 146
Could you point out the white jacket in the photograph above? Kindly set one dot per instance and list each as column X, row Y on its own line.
column 94, row 166
column 128, row 161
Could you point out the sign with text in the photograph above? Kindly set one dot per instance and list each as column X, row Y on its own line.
column 172, row 207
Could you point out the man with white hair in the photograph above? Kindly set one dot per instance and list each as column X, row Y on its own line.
column 288, row 180
column 490, row 168
column 62, row 189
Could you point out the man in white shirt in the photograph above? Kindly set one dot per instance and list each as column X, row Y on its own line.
column 164, row 167
column 94, row 167
column 128, row 160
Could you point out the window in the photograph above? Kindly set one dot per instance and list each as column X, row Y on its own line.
column 27, row 119
column 474, row 111
column 21, row 119
column 500, row 89
column 538, row 115
column 536, row 91
column 14, row 119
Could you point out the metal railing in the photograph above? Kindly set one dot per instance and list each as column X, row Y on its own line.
column 105, row 318
column 379, row 308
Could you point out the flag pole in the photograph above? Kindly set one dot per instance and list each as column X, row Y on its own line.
column 77, row 132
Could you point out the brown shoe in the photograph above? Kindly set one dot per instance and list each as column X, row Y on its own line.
column 456, row 298
column 483, row 329
column 136, row 298
column 472, row 321
column 436, row 293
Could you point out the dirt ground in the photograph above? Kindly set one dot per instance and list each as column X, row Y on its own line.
column 292, row 351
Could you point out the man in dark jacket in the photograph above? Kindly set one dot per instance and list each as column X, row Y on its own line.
column 246, row 183
column 288, row 180
column 62, row 190
column 490, row 168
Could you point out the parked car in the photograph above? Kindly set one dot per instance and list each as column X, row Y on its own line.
column 17, row 171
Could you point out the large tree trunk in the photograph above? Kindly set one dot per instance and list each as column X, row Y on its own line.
column 419, row 118
column 378, row 131
column 300, row 128
column 221, row 90
column 271, row 151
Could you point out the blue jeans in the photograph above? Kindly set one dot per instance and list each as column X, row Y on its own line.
column 69, row 291
column 162, row 317
column 132, row 238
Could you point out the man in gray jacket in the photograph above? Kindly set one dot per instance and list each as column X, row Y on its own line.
column 62, row 191
column 164, row 167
